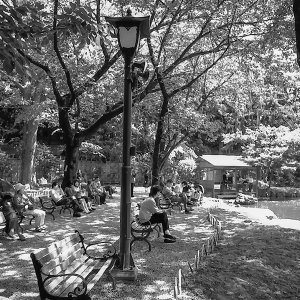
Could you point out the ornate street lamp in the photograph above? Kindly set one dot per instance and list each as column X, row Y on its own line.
column 129, row 31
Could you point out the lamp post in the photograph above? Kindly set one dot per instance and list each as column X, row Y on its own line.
column 129, row 30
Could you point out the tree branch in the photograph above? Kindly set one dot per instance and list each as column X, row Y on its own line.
column 59, row 98
column 185, row 86
column 62, row 63
column 102, row 43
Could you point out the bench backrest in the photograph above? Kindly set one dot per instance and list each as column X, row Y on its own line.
column 58, row 256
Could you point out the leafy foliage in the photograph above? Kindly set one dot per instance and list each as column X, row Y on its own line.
column 274, row 149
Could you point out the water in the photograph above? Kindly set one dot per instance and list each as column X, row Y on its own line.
column 288, row 209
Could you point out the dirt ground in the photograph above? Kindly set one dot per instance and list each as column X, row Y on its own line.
column 156, row 269
column 252, row 261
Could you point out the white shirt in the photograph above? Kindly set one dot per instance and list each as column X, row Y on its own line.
column 55, row 194
column 147, row 209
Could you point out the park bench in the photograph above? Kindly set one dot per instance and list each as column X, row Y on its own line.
column 166, row 204
column 69, row 268
column 141, row 232
column 49, row 206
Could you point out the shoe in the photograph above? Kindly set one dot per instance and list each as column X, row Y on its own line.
column 43, row 226
column 76, row 214
column 191, row 209
column 22, row 237
column 169, row 236
column 187, row 212
column 39, row 229
column 92, row 208
column 169, row 241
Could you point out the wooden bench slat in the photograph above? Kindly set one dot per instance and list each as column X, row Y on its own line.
column 57, row 265
column 70, row 283
column 55, row 247
column 102, row 270
column 54, row 255
column 51, row 284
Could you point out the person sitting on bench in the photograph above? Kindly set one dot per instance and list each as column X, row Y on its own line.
column 149, row 212
column 83, row 200
column 58, row 195
column 98, row 191
column 26, row 206
column 173, row 196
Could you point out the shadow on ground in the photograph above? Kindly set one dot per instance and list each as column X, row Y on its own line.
column 251, row 262
column 157, row 268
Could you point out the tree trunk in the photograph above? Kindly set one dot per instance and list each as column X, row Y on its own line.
column 156, row 153
column 71, row 160
column 28, row 151
column 296, row 10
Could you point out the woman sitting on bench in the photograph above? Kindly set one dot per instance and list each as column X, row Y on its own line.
column 74, row 191
column 149, row 212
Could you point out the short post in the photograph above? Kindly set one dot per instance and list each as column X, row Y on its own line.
column 179, row 282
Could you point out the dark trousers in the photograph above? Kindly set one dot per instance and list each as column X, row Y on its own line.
column 63, row 201
column 160, row 218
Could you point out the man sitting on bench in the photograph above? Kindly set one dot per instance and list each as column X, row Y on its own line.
column 149, row 212
column 58, row 195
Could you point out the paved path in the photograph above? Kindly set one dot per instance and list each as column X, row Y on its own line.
column 157, row 268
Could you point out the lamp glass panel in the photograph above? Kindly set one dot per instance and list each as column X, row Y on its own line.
column 128, row 36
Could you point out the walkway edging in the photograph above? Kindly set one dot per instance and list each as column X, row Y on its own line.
column 206, row 248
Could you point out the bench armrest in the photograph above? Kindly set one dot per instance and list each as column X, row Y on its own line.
column 110, row 251
column 81, row 288
column 46, row 202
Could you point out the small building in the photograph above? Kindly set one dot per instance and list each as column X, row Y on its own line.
column 223, row 176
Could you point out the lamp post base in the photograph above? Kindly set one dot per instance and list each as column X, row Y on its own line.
column 129, row 274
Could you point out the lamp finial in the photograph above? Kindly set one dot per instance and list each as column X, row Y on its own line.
column 129, row 12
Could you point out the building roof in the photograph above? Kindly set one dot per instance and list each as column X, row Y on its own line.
column 223, row 161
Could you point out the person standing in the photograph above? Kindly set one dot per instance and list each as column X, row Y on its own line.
column 146, row 180
column 133, row 175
